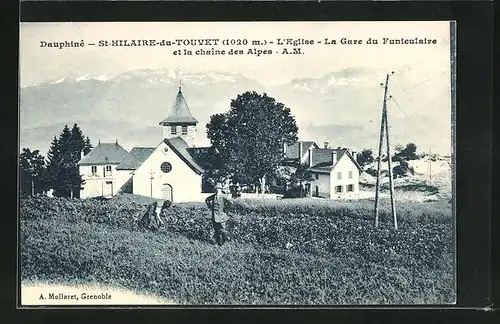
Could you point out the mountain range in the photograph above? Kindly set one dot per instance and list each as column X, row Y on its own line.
column 342, row 107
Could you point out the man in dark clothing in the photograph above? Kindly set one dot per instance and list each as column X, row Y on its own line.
column 216, row 204
column 152, row 218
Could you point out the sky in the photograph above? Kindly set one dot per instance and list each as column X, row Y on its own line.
column 414, row 65
column 39, row 64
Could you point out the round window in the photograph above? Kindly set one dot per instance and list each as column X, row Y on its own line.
column 166, row 167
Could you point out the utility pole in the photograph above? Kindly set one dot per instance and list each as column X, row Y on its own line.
column 391, row 181
column 384, row 126
column 381, row 140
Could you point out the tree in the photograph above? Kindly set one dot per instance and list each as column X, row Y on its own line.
column 365, row 157
column 32, row 170
column 52, row 171
column 407, row 153
column 402, row 170
column 302, row 175
column 64, row 153
column 250, row 137
column 76, row 143
column 402, row 155
column 87, row 146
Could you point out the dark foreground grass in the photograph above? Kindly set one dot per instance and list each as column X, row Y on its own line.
column 98, row 242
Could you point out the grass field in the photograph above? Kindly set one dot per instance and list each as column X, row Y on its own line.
column 282, row 252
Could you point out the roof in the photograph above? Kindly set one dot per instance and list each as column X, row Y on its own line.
column 179, row 113
column 105, row 153
column 292, row 151
column 206, row 157
column 181, row 148
column 135, row 158
column 322, row 159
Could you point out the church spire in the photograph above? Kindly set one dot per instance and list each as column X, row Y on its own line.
column 179, row 112
column 180, row 122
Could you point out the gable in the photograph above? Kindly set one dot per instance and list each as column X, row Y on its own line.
column 180, row 147
column 165, row 153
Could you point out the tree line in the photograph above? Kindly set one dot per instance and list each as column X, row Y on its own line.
column 402, row 154
column 58, row 170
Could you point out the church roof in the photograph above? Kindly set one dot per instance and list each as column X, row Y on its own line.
column 181, row 148
column 197, row 158
column 135, row 158
column 105, row 153
column 179, row 113
column 206, row 157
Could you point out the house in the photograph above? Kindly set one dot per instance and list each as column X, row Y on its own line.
column 174, row 169
column 335, row 171
column 298, row 152
column 98, row 169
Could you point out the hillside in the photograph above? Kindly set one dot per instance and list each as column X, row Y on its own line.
column 418, row 186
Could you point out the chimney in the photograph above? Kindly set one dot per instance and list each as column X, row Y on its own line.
column 300, row 151
column 82, row 155
column 311, row 157
column 354, row 155
column 334, row 157
column 327, row 145
column 284, row 148
column 116, row 142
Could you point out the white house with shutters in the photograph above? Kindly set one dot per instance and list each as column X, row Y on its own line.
column 171, row 170
column 98, row 170
column 335, row 171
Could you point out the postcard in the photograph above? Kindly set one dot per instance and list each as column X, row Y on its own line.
column 237, row 164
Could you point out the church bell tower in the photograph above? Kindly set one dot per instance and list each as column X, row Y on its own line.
column 180, row 122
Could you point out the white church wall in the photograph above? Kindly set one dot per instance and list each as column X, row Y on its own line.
column 186, row 184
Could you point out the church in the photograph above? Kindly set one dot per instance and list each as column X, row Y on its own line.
column 175, row 169
column 172, row 170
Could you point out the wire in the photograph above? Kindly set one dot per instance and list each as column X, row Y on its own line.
column 403, row 67
column 423, row 82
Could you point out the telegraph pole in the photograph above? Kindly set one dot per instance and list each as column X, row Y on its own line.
column 381, row 141
column 391, row 182
column 384, row 127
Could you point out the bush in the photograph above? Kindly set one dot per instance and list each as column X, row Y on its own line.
column 295, row 192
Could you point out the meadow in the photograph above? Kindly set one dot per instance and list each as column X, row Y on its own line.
column 282, row 252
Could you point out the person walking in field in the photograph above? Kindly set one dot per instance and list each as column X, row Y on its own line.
column 152, row 218
column 216, row 203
